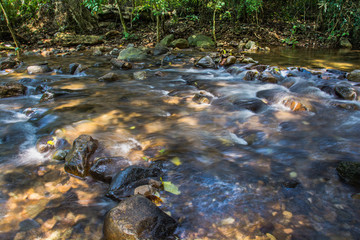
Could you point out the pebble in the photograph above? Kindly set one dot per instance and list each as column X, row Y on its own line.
column 287, row 214
column 227, row 221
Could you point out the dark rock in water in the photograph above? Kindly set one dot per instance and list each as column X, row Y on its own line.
column 7, row 63
column 268, row 77
column 346, row 105
column 167, row 40
column 293, row 183
column 202, row 98
column 253, row 104
column 28, row 224
column 105, row 168
column 251, row 75
column 38, row 69
column 345, row 91
column 120, row 64
column 271, row 95
column 73, row 67
column 110, row 77
column 230, row 60
column 260, row 68
column 45, row 144
column 59, row 155
column 47, row 96
column 78, row 160
column 80, row 69
column 160, row 49
column 354, row 76
column 350, row 172
column 180, row 43
column 138, row 218
column 169, row 58
column 124, row 182
column 340, row 74
column 12, row 90
column 205, row 62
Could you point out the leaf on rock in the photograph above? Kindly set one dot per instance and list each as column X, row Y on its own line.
column 171, row 188
column 176, row 161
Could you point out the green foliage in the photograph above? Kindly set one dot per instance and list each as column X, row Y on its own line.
column 292, row 41
column 93, row 5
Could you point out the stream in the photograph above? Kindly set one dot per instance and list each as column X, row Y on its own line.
column 248, row 164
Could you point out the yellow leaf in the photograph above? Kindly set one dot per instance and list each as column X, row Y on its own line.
column 132, row 128
column 176, row 161
column 270, row 236
column 50, row 142
column 171, row 188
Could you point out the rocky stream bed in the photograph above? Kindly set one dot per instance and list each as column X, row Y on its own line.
column 181, row 144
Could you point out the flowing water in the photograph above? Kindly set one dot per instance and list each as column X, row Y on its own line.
column 232, row 161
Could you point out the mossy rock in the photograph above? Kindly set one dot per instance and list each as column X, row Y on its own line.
column 166, row 41
column 180, row 43
column 132, row 54
column 65, row 39
column 201, row 41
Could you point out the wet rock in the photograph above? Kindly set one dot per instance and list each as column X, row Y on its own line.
column 110, row 77
column 119, row 64
column 272, row 95
column 293, row 183
column 202, row 98
column 80, row 68
column 78, row 160
column 268, row 77
column 12, row 90
column 145, row 190
column 66, row 39
column 205, row 62
column 45, row 144
column 39, row 69
column 160, row 49
column 47, row 96
column 248, row 60
column 167, row 40
column 251, row 75
column 137, row 218
column 260, row 68
column 345, row 91
column 296, row 104
column 230, row 60
column 132, row 54
column 60, row 155
column 73, row 67
column 349, row 172
column 345, row 43
column 8, row 63
column 124, row 182
column 201, row 41
column 346, row 105
column 105, row 168
column 141, row 75
column 114, row 52
column 251, row 45
column 354, row 76
column 180, row 43
column 235, row 70
column 253, row 104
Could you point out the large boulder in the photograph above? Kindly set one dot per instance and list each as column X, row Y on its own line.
column 201, row 41
column 180, row 43
column 167, row 40
column 132, row 54
column 78, row 160
column 38, row 69
column 66, row 39
column 12, row 90
column 205, row 62
column 354, row 76
column 349, row 171
column 124, row 182
column 138, row 218
column 7, row 63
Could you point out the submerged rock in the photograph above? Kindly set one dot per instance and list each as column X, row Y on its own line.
column 124, row 182
column 12, row 90
column 78, row 160
column 138, row 218
column 205, row 62
column 105, row 168
column 350, row 172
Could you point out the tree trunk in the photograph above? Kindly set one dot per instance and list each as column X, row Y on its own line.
column 214, row 28
column 157, row 28
column 17, row 44
column 118, row 5
column 73, row 14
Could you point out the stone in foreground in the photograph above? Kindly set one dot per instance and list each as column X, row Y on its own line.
column 349, row 172
column 78, row 160
column 138, row 218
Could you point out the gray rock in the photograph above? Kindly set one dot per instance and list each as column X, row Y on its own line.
column 354, row 76
column 180, row 43
column 120, row 64
column 141, row 75
column 47, row 96
column 110, row 77
column 124, row 182
column 230, row 60
column 138, row 218
column 206, row 62
column 12, row 90
column 78, row 160
column 345, row 91
column 160, row 49
column 105, row 168
column 167, row 40
column 73, row 67
column 38, row 69
column 251, row 75
column 132, row 54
